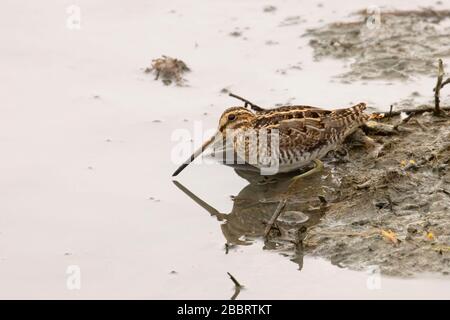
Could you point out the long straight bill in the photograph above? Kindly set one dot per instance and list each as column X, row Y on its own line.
column 198, row 152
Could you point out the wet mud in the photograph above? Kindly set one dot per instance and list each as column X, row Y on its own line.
column 386, row 206
column 393, row 210
column 385, row 45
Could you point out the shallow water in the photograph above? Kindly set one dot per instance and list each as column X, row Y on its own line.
column 86, row 172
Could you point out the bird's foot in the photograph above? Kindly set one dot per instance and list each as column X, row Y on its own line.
column 318, row 167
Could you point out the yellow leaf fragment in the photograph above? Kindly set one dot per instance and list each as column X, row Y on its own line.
column 430, row 236
column 403, row 163
column 389, row 236
column 376, row 116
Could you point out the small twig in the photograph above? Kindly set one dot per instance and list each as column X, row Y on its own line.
column 236, row 283
column 445, row 82
column 379, row 127
column 247, row 103
column 275, row 216
column 390, row 111
column 438, row 87
column 237, row 286
column 364, row 184
column 408, row 111
column 236, row 293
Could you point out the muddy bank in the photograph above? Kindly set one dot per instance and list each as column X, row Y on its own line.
column 385, row 45
column 392, row 211
column 389, row 208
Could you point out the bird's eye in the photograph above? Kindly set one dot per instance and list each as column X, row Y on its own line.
column 231, row 117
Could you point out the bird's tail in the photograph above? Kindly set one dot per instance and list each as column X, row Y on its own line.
column 348, row 117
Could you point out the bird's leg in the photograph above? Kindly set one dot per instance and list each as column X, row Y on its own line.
column 317, row 168
column 282, row 203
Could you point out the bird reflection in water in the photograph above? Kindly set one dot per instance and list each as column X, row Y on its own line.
column 256, row 203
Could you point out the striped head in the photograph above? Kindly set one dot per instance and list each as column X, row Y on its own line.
column 236, row 118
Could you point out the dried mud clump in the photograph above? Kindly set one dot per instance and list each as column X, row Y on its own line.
column 385, row 45
column 168, row 70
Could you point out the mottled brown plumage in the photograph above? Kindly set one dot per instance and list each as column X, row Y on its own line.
column 300, row 134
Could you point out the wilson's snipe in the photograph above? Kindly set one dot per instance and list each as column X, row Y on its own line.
column 302, row 134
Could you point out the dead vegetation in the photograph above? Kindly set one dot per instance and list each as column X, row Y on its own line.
column 168, row 70
column 439, row 85
column 237, row 286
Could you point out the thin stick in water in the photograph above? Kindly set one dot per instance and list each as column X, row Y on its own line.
column 438, row 87
column 237, row 286
column 390, row 111
column 415, row 111
column 236, row 283
column 275, row 216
